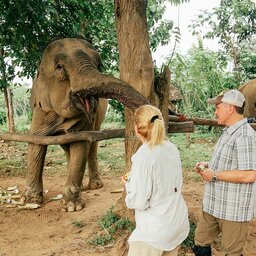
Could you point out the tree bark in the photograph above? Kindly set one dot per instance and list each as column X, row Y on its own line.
column 7, row 95
column 160, row 94
column 9, row 109
column 197, row 121
column 11, row 112
column 136, row 66
column 90, row 136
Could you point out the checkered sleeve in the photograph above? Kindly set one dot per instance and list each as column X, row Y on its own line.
column 246, row 153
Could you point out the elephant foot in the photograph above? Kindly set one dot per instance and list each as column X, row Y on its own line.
column 72, row 206
column 72, row 200
column 32, row 197
column 95, row 183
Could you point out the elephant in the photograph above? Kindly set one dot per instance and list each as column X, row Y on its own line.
column 249, row 92
column 69, row 94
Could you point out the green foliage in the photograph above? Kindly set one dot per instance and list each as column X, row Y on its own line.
column 112, row 225
column 2, row 112
column 21, row 108
column 233, row 24
column 160, row 29
column 79, row 224
column 112, row 154
column 115, row 111
column 189, row 241
column 248, row 60
column 199, row 75
column 191, row 148
column 12, row 159
column 108, row 219
column 101, row 240
column 27, row 27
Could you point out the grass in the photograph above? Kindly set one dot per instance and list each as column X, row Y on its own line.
column 193, row 148
column 189, row 241
column 111, row 227
column 79, row 223
column 13, row 158
column 198, row 147
column 111, row 155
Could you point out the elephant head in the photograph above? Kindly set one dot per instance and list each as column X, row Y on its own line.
column 69, row 82
column 249, row 92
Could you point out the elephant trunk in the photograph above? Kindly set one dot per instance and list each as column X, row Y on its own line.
column 98, row 85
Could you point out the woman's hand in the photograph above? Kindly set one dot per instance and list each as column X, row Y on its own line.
column 123, row 180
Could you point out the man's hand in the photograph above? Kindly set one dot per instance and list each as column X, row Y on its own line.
column 204, row 171
column 201, row 166
column 207, row 174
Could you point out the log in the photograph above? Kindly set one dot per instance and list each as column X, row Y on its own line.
column 197, row 121
column 202, row 121
column 180, row 127
column 64, row 139
column 85, row 135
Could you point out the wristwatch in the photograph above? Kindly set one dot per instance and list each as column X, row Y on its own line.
column 214, row 178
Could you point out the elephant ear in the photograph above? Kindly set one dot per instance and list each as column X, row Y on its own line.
column 40, row 94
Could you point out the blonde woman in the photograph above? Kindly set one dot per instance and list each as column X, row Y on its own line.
column 154, row 190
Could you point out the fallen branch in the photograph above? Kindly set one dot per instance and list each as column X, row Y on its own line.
column 202, row 121
column 64, row 139
column 84, row 136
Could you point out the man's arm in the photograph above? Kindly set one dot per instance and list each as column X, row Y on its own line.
column 234, row 176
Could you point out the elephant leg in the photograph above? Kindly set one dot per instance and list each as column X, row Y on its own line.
column 72, row 200
column 94, row 178
column 66, row 149
column 34, row 177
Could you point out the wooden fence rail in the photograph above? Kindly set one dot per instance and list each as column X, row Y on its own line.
column 202, row 121
column 175, row 126
column 85, row 135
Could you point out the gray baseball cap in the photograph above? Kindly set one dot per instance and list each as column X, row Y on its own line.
column 232, row 97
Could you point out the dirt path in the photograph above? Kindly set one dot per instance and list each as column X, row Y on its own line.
column 49, row 231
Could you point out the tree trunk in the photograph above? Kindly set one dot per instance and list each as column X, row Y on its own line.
column 160, row 94
column 11, row 112
column 7, row 95
column 136, row 66
column 9, row 109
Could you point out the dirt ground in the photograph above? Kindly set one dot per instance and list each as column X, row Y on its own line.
column 49, row 231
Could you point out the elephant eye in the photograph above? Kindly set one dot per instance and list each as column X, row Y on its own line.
column 59, row 66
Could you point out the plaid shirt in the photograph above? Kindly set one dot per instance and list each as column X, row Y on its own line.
column 235, row 150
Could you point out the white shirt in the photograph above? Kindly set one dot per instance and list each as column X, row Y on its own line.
column 154, row 191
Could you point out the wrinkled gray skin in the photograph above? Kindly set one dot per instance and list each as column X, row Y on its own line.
column 249, row 92
column 65, row 99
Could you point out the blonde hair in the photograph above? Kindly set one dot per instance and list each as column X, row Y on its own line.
column 150, row 124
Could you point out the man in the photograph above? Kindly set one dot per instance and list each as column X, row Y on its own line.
column 230, row 190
